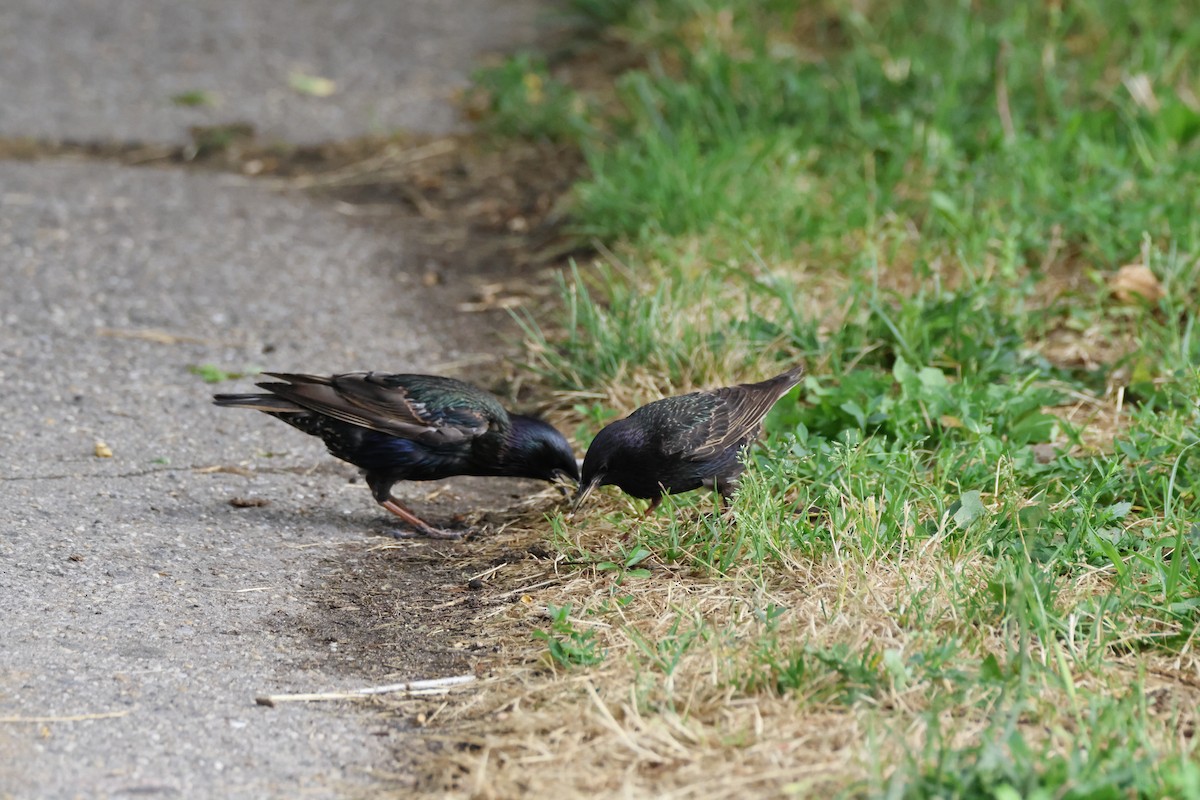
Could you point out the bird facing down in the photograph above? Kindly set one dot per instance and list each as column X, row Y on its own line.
column 682, row 443
column 413, row 428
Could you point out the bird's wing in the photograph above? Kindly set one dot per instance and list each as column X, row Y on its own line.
column 721, row 418
column 425, row 408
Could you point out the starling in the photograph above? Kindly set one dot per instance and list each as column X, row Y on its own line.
column 413, row 428
column 682, row 443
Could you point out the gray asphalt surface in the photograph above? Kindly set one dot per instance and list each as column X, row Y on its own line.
column 107, row 69
column 142, row 612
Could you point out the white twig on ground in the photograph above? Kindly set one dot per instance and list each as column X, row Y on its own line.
column 432, row 686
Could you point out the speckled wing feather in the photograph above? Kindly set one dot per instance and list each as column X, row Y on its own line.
column 425, row 408
column 721, row 418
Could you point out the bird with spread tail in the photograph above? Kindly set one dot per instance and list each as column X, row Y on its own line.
column 682, row 443
column 407, row 427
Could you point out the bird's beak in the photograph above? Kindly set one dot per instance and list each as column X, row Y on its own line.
column 563, row 481
column 584, row 491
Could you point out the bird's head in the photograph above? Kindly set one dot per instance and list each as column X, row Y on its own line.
column 538, row 450
column 608, row 454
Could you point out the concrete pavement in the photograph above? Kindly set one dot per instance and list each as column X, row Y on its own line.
column 142, row 610
column 108, row 69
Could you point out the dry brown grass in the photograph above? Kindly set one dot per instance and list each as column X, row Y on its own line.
column 624, row 728
column 713, row 724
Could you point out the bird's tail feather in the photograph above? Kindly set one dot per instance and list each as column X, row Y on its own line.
column 301, row 378
column 260, row 402
column 785, row 380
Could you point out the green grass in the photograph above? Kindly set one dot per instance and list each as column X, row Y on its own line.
column 211, row 373
column 924, row 202
column 567, row 645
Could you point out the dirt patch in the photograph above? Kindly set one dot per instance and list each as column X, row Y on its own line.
column 410, row 611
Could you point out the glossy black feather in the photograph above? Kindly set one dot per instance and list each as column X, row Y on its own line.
column 682, row 443
column 408, row 427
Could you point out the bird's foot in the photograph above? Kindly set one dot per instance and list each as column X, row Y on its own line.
column 418, row 526
column 428, row 532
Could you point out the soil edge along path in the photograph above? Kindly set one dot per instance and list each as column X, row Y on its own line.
column 163, row 561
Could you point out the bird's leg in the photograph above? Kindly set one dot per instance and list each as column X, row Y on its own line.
column 653, row 505
column 725, row 486
column 381, row 490
column 423, row 528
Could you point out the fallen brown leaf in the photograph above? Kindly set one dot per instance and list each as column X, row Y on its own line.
column 1134, row 282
